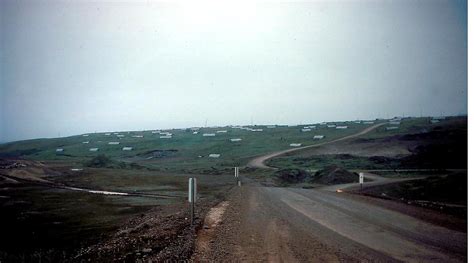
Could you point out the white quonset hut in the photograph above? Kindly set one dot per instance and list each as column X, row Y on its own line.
column 341, row 127
column 318, row 137
column 127, row 148
column 295, row 144
column 434, row 121
column 59, row 150
column 271, row 127
column 86, row 142
column 85, row 135
column 223, row 131
column 214, row 155
column 196, row 132
column 236, row 140
column 165, row 137
column 331, row 126
column 120, row 135
column 107, row 134
column 137, row 136
column 114, row 143
column 305, row 130
column 208, row 134
column 93, row 149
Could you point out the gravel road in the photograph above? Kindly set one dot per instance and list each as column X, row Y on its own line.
column 310, row 225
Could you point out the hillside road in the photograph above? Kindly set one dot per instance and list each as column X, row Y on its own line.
column 259, row 162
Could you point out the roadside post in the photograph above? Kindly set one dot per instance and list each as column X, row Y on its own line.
column 192, row 196
column 236, row 175
column 361, row 179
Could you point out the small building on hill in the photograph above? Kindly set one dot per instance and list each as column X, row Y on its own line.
column 127, row 148
column 295, row 144
column 93, row 149
column 236, row 140
column 214, row 155
column 318, row 137
column 208, row 134
column 341, row 127
column 114, row 143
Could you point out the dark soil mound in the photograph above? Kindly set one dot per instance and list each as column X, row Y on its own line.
column 100, row 161
column 335, row 175
column 293, row 175
column 103, row 161
column 159, row 153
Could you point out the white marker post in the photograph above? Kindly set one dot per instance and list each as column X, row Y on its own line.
column 192, row 196
column 236, row 174
column 361, row 179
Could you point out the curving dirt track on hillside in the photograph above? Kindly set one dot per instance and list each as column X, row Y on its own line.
column 259, row 162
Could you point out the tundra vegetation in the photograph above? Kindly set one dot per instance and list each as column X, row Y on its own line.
column 42, row 220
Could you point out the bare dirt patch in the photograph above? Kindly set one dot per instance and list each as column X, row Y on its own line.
column 206, row 233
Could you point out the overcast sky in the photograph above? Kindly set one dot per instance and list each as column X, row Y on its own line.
column 70, row 68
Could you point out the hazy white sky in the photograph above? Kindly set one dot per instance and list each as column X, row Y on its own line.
column 73, row 67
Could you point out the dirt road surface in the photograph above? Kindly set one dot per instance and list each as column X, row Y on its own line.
column 375, row 180
column 311, row 225
column 259, row 162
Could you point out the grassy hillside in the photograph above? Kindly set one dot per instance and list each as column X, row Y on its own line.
column 185, row 151
column 429, row 146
